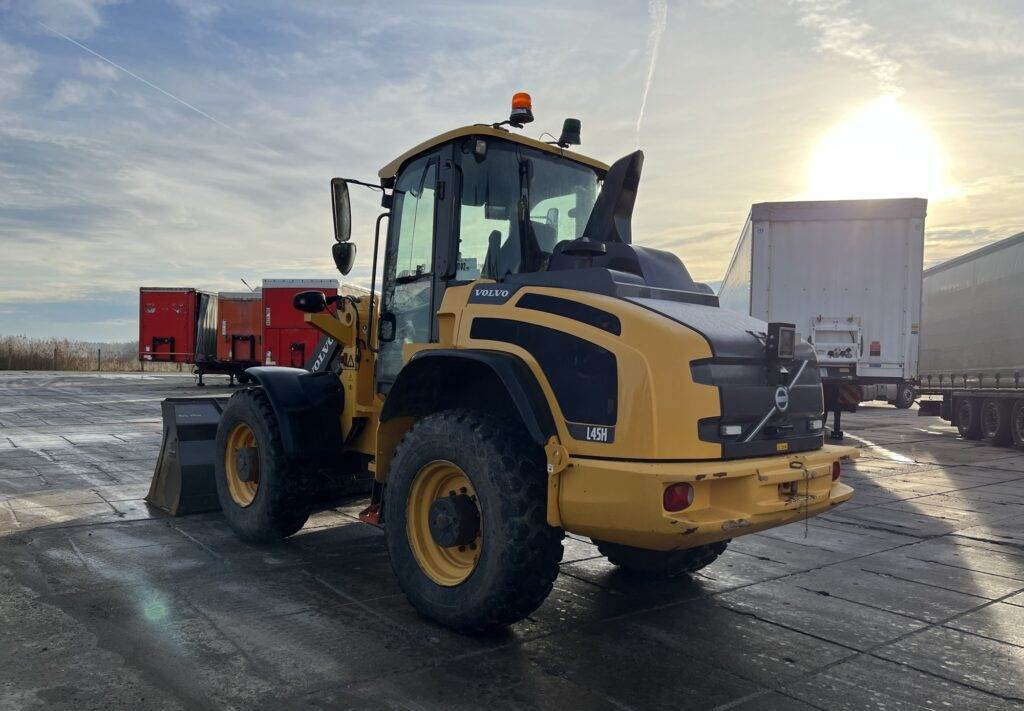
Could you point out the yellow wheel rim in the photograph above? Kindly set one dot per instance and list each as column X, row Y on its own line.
column 243, row 492
column 445, row 566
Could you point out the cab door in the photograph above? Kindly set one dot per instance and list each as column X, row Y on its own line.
column 412, row 281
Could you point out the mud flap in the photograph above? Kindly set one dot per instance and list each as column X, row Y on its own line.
column 183, row 482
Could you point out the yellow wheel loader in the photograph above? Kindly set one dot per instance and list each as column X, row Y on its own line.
column 526, row 370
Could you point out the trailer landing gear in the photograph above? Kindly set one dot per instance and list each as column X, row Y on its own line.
column 836, row 432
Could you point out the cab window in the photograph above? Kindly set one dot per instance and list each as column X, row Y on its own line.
column 516, row 204
column 408, row 263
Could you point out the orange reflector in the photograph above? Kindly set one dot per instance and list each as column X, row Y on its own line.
column 677, row 496
column 836, row 468
column 521, row 100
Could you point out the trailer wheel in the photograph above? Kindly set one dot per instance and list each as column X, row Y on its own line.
column 467, row 523
column 995, row 422
column 968, row 418
column 905, row 396
column 660, row 564
column 259, row 489
column 1017, row 423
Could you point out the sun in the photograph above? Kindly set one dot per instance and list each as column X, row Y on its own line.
column 881, row 151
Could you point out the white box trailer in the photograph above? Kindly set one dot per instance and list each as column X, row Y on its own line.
column 847, row 274
column 972, row 342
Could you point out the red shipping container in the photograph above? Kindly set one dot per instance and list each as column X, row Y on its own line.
column 177, row 324
column 240, row 327
column 167, row 324
column 287, row 339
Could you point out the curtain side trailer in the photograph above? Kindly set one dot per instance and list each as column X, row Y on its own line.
column 972, row 342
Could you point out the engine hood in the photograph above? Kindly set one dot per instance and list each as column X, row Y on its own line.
column 729, row 333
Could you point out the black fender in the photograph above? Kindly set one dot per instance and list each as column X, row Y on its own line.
column 308, row 408
column 431, row 380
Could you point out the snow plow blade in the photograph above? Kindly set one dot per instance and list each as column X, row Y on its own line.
column 183, row 482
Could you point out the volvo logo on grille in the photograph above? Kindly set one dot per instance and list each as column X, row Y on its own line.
column 782, row 398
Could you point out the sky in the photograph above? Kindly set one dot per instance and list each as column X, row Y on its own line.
column 192, row 143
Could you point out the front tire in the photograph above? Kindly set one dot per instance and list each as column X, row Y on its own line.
column 660, row 564
column 486, row 478
column 259, row 489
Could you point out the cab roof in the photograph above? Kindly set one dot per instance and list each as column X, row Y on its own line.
column 389, row 171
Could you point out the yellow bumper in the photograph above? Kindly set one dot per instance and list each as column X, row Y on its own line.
column 621, row 501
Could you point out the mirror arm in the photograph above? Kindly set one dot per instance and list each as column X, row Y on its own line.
column 373, row 282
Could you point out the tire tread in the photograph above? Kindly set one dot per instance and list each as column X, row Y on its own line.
column 528, row 563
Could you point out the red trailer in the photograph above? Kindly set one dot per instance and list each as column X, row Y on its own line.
column 240, row 329
column 172, row 321
column 287, row 339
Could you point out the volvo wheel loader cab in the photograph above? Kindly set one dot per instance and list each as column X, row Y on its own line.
column 529, row 370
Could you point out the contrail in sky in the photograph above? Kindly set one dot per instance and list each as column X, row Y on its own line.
column 658, row 11
column 168, row 94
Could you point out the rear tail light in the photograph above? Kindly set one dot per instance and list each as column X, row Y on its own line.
column 835, row 470
column 677, row 496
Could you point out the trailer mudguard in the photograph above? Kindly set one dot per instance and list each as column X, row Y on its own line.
column 308, row 408
column 443, row 378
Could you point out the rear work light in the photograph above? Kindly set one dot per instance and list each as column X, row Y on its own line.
column 836, row 468
column 678, row 496
column 730, row 430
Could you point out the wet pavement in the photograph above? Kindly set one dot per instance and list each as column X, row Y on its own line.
column 910, row 596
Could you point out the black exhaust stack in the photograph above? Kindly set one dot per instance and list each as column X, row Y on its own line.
column 611, row 218
column 607, row 240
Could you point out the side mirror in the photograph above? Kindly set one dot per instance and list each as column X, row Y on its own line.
column 342, row 210
column 312, row 302
column 386, row 327
column 344, row 256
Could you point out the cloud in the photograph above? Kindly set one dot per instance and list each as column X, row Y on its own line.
column 71, row 93
column 17, row 65
column 137, row 188
column 199, row 10
column 98, row 69
column 76, row 18
column 842, row 33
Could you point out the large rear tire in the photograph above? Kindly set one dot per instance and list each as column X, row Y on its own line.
column 260, row 492
column 660, row 564
column 967, row 417
column 466, row 521
column 995, row 421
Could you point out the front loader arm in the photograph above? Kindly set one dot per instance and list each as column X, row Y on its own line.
column 350, row 329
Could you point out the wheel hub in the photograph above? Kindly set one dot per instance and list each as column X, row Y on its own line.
column 454, row 521
column 990, row 416
column 443, row 522
column 242, row 464
column 964, row 414
column 247, row 463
